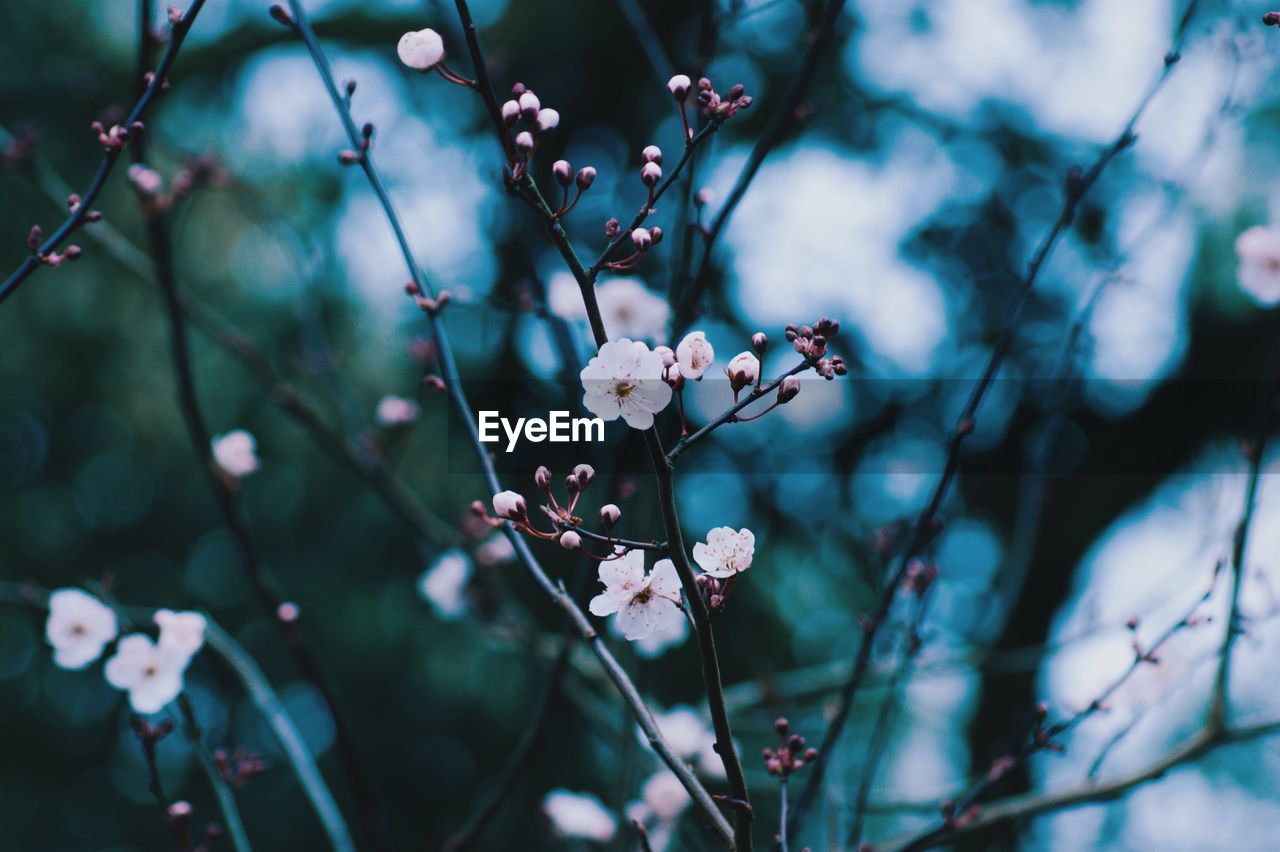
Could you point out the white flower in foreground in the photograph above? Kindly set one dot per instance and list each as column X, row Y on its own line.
column 625, row 379
column 579, row 815
column 664, row 796
column 443, row 585
column 78, row 628
column 151, row 676
column 397, row 411
column 644, row 603
column 181, row 633
column 661, row 640
column 236, row 452
column 422, row 50
column 725, row 552
column 694, row 355
column 510, row 506
column 1258, row 250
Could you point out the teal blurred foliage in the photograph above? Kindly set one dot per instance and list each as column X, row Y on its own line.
column 99, row 484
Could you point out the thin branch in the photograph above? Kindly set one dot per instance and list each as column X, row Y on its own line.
column 1033, row 804
column 112, row 154
column 780, row 121
column 731, row 414
column 457, row 396
column 1077, row 189
column 231, row 821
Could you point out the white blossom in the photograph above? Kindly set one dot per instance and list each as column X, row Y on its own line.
column 151, row 676
column 181, row 633
column 236, row 452
column 743, row 369
column 397, row 410
column 422, row 50
column 1258, row 250
column 443, row 585
column 579, row 815
column 664, row 796
column 625, row 379
column 694, row 355
column 643, row 603
column 725, row 552
column 628, row 308
column 661, row 640
column 690, row 737
column 78, row 628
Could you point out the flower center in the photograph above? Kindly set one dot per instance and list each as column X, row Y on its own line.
column 150, row 671
column 642, row 597
column 623, row 389
column 78, row 630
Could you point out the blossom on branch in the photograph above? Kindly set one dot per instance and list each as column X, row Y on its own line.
column 579, row 815
column 181, row 633
column 78, row 628
column 421, row 50
column 151, row 675
column 695, row 355
column 624, row 379
column 725, row 552
column 236, row 453
column 643, row 603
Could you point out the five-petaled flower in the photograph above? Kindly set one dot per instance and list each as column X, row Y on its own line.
column 643, row 602
column 625, row 379
column 725, row 552
column 694, row 354
column 421, row 50
column 78, row 628
column 151, row 675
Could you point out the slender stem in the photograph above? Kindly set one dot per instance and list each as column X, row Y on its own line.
column 231, row 821
column 109, row 158
column 483, row 85
column 782, row 813
column 730, row 414
column 1221, row 683
column 783, row 117
column 287, row 735
column 1076, row 191
column 463, row 410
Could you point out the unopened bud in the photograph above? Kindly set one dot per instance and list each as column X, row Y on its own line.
column 666, row 354
column 585, row 473
column 641, row 238
column 524, row 141
column 281, row 15
column 510, row 506
column 563, row 172
column 759, row 342
column 788, row 389
column 586, row 177
column 529, row 105
column 610, row 515
column 651, row 174
column 680, row 84
column 542, row 477
column 548, row 119
column 288, row 612
column 652, row 154
column 570, row 540
column 511, row 112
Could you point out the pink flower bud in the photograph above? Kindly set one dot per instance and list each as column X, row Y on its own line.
column 571, row 484
column 548, row 119
column 656, row 233
column 529, row 105
column 511, row 112
column 570, row 540
column 563, row 172
column 674, row 377
column 642, row 239
column 421, row 50
column 651, row 174
column 743, row 370
column 652, row 154
column 759, row 342
column 704, row 196
column 542, row 477
column 524, row 141
column 586, row 177
column 510, row 506
column 788, row 389
column 668, row 356
column 610, row 515
column 585, row 474
column 679, row 86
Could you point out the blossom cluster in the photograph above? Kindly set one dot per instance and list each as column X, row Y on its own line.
column 80, row 627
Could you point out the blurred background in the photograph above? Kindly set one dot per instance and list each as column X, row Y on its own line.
column 914, row 181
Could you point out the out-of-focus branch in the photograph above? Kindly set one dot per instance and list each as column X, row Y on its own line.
column 78, row 217
column 780, row 121
column 558, row 595
column 1079, row 184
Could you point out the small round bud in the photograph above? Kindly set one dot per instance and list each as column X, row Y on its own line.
column 656, row 233
column 288, row 612
column 570, row 540
column 612, row 227
column 585, row 473
column 571, row 484
column 610, row 515
column 667, row 355
column 478, row 509
column 743, row 370
column 788, row 389
column 650, row 174
column 781, row 725
column 704, row 196
column 674, row 377
column 529, row 105
column 548, row 119
column 542, row 477
column 1271, row 19
column 736, row 91
column 652, row 154
column 524, row 141
column 421, row 50
column 641, row 238
column 586, row 177
column 679, row 86
column 179, row 810
column 563, row 172
column 510, row 112
column 759, row 342
column 510, row 506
